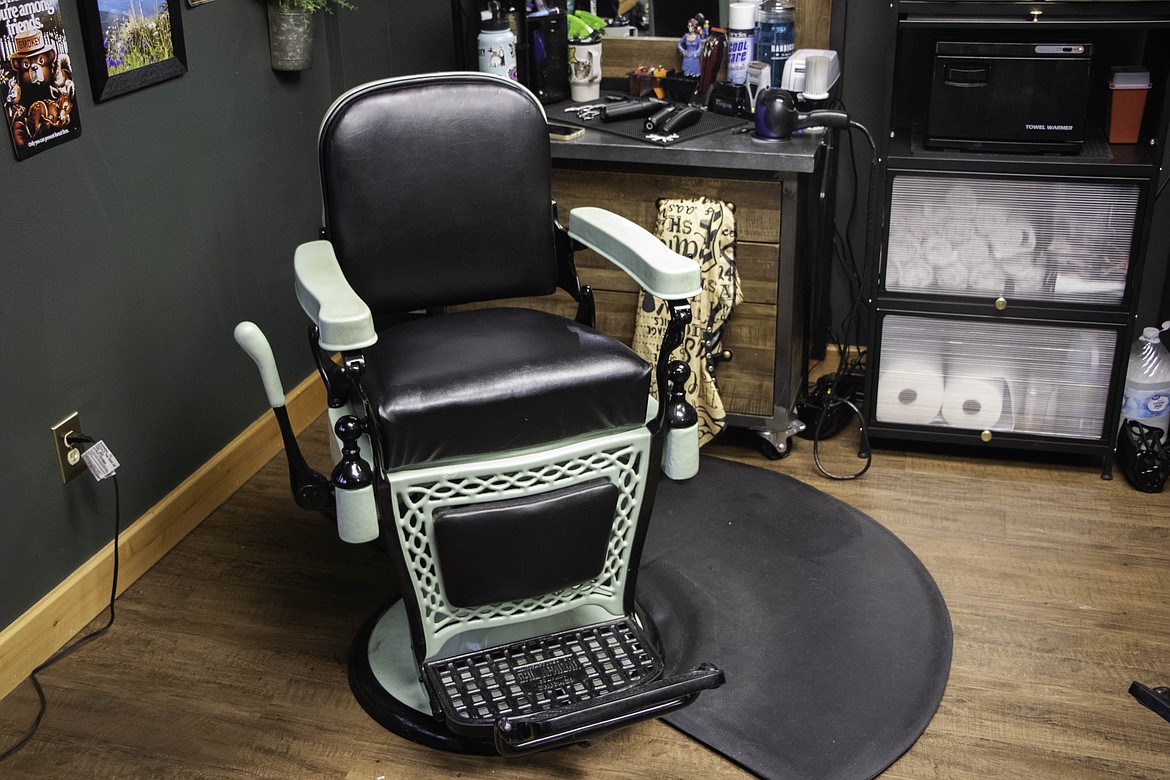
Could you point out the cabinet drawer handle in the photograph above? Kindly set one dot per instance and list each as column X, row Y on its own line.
column 985, row 436
column 1000, row 304
column 971, row 76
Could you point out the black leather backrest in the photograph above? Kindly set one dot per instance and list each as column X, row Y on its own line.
column 437, row 192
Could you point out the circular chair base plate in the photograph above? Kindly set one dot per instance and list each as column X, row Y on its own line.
column 384, row 680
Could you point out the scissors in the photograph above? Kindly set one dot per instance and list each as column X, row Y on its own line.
column 587, row 112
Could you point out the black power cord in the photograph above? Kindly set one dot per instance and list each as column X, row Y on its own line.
column 68, row 649
column 827, row 399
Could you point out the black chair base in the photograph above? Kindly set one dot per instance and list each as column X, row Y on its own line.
column 389, row 690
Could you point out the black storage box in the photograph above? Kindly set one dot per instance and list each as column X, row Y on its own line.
column 1009, row 97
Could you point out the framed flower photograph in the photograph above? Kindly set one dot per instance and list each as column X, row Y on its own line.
column 130, row 44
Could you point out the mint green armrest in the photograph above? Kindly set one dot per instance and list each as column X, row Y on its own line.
column 343, row 318
column 635, row 250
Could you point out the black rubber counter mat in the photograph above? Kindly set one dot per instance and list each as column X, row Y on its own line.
column 708, row 123
column 834, row 638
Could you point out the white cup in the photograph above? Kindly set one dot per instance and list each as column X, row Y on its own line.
column 584, row 71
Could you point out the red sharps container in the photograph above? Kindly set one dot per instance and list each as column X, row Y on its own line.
column 1128, row 86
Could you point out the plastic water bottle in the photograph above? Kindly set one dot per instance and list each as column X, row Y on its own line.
column 775, row 35
column 741, row 36
column 1147, row 381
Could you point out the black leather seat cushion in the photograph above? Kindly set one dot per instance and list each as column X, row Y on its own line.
column 492, row 380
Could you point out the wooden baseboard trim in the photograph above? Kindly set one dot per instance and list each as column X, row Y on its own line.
column 80, row 597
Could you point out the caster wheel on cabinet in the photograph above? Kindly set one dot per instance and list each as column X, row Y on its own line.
column 773, row 452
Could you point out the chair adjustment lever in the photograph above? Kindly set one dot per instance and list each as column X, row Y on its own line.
column 310, row 488
column 522, row 734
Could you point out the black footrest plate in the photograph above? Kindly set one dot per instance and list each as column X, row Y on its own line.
column 550, row 671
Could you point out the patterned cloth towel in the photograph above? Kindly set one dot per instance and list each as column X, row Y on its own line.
column 703, row 230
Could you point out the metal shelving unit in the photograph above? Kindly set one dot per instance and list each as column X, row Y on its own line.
column 1003, row 297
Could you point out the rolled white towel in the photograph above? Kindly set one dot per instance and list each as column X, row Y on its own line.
column 936, row 212
column 958, row 231
column 1028, row 278
column 916, row 275
column 990, row 219
column 1012, row 240
column 974, row 254
column 937, row 251
column 961, row 198
column 952, row 276
column 991, row 280
column 904, row 249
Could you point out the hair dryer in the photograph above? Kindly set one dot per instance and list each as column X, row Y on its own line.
column 778, row 118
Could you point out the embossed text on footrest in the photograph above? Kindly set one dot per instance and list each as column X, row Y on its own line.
column 541, row 674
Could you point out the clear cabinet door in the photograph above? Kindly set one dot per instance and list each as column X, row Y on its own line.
column 1031, row 239
column 996, row 376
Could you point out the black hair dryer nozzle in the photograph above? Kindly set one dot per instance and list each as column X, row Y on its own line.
column 777, row 116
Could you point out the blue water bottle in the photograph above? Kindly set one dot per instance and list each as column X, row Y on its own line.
column 775, row 35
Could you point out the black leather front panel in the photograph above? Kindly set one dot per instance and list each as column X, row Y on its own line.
column 438, row 193
column 524, row 547
column 494, row 380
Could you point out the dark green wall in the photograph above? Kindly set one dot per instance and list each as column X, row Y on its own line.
column 130, row 253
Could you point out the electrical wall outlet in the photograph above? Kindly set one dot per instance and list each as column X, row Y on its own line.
column 68, row 458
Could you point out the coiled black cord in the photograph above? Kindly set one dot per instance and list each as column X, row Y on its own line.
column 68, row 649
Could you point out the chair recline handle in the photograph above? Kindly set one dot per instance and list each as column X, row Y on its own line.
column 523, row 734
column 253, row 341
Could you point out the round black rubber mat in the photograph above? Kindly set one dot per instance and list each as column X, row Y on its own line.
column 834, row 638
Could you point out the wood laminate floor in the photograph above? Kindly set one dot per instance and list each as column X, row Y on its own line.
column 228, row 658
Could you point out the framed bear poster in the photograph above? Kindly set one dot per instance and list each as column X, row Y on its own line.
column 36, row 76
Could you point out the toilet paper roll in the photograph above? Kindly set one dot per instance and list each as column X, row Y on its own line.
column 1037, row 411
column 910, row 390
column 972, row 403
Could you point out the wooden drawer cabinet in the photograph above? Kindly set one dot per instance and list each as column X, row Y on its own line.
column 746, row 380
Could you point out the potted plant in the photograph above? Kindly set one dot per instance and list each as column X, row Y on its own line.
column 290, row 31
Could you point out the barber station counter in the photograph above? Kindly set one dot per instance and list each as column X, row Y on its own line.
column 725, row 150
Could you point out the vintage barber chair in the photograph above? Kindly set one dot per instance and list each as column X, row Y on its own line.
column 506, row 458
